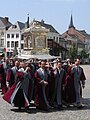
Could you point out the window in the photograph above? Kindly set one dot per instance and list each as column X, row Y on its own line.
column 14, row 26
column 54, row 37
column 2, row 33
column 8, row 35
column 22, row 46
column 2, row 43
column 12, row 35
column 16, row 44
column 22, row 37
column 57, row 39
column 12, row 43
column 69, row 42
column 8, row 44
column 17, row 35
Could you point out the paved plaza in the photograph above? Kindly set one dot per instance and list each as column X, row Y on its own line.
column 8, row 112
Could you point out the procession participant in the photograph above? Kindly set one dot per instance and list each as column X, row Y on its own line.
column 11, row 75
column 42, row 77
column 1, row 67
column 18, row 93
column 12, row 64
column 3, row 79
column 30, row 76
column 68, row 61
column 51, row 82
column 33, row 67
column 4, row 67
column 55, row 62
column 6, row 64
column 69, row 91
column 67, row 65
column 59, row 76
column 79, row 82
column 1, row 58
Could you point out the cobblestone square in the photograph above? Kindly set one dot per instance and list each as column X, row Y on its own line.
column 8, row 112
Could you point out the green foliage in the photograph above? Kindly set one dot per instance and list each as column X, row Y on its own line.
column 83, row 54
column 73, row 52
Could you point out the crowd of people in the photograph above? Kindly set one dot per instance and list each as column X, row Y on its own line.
column 48, row 84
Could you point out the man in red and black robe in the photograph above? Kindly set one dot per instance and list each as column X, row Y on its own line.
column 18, row 94
column 11, row 75
column 42, row 77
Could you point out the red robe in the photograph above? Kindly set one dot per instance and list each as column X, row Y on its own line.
column 15, row 95
column 69, row 94
column 10, row 78
column 41, row 101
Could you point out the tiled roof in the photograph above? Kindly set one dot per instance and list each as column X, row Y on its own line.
column 75, row 37
column 85, row 33
column 4, row 23
column 21, row 25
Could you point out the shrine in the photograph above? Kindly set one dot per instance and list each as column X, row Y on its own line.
column 35, row 41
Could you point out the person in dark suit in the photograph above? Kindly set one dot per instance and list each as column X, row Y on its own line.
column 41, row 78
column 59, row 75
column 79, row 82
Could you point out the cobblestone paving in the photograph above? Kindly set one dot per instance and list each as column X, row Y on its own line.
column 8, row 112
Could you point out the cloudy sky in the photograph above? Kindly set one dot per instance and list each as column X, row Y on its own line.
column 54, row 12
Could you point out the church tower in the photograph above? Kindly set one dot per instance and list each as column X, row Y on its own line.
column 71, row 23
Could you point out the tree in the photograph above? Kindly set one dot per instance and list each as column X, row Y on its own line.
column 73, row 53
column 83, row 54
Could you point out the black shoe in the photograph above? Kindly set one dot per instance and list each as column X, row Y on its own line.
column 80, row 107
column 38, row 108
column 60, row 107
column 68, row 106
column 19, row 108
column 51, row 104
column 46, row 109
column 27, row 109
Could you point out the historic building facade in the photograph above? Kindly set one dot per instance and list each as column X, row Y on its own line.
column 4, row 25
column 79, row 38
column 14, row 38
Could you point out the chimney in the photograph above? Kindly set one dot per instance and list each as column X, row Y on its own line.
column 6, row 19
column 42, row 21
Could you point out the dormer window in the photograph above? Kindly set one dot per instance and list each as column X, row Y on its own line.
column 14, row 26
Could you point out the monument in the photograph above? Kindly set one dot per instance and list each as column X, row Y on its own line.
column 35, row 41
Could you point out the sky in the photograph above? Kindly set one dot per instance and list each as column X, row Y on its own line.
column 54, row 12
